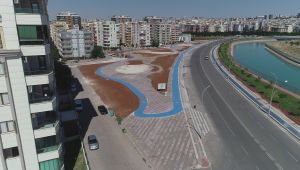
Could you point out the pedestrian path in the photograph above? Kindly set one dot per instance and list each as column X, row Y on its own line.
column 140, row 112
column 199, row 121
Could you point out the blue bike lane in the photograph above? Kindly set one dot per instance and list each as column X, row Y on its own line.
column 176, row 99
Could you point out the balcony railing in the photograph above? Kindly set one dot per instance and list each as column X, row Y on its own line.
column 48, row 149
column 29, row 10
column 37, row 98
column 46, row 123
column 33, row 42
column 37, row 72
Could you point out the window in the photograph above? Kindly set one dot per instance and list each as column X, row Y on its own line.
column 46, row 144
column 4, row 99
column 2, row 70
column 10, row 152
column 53, row 164
column 7, row 126
column 32, row 35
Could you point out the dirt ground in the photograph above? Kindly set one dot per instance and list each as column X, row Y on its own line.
column 113, row 94
column 135, row 62
column 166, row 63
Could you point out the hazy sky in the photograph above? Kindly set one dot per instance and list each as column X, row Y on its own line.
column 176, row 8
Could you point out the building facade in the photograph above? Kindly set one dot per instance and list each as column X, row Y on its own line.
column 75, row 43
column 107, row 34
column 72, row 19
column 29, row 122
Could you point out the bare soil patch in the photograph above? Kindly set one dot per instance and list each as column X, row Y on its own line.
column 135, row 62
column 114, row 95
column 161, row 50
column 166, row 63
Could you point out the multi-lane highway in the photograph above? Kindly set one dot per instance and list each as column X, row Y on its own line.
column 243, row 136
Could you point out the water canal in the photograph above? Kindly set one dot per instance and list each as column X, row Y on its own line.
column 258, row 60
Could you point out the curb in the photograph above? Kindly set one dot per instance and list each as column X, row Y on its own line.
column 248, row 94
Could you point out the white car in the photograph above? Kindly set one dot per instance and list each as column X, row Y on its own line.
column 78, row 105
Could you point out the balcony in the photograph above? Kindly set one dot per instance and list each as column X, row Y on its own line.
column 38, row 70
column 40, row 93
column 48, row 148
column 44, row 120
column 36, row 65
column 47, row 144
column 19, row 10
column 32, row 34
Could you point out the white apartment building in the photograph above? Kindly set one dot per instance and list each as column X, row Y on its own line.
column 144, row 38
column 75, row 43
column 107, row 34
column 29, row 124
column 55, row 28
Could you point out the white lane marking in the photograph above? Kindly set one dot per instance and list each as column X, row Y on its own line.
column 291, row 155
column 257, row 168
column 244, row 149
column 270, row 156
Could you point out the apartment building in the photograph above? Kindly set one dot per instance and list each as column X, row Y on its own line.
column 71, row 18
column 55, row 28
column 107, row 34
column 29, row 122
column 144, row 37
column 175, row 32
column 121, row 19
column 161, row 33
column 75, row 43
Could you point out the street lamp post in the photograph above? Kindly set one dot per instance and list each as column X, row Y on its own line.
column 202, row 96
column 272, row 93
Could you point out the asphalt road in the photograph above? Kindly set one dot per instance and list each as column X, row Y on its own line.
column 116, row 150
column 243, row 136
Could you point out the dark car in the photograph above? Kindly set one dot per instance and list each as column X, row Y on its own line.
column 93, row 142
column 102, row 109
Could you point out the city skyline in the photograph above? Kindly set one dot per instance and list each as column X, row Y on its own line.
column 208, row 9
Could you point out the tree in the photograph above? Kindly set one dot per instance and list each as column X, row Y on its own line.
column 98, row 52
column 154, row 43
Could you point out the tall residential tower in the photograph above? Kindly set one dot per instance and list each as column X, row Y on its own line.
column 29, row 124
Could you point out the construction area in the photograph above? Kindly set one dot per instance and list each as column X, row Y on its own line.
column 165, row 142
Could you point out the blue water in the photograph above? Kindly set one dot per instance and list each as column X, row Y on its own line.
column 140, row 112
column 257, row 59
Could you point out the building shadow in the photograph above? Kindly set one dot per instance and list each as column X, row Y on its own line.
column 77, row 84
column 86, row 115
column 72, row 150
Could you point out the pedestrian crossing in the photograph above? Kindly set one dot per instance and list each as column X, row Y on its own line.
column 198, row 120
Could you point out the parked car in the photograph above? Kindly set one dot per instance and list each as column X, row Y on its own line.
column 93, row 142
column 102, row 109
column 73, row 88
column 206, row 58
column 78, row 105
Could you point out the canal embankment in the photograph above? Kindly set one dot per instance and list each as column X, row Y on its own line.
column 287, row 102
column 282, row 55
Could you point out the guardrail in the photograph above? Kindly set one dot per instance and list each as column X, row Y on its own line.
column 273, row 114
